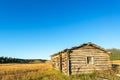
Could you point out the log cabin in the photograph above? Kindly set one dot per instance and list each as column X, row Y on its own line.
column 82, row 59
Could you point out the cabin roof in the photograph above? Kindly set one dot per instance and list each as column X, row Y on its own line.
column 75, row 47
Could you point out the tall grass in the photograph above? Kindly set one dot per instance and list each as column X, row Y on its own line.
column 44, row 71
column 41, row 71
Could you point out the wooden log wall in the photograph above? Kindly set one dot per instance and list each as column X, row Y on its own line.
column 74, row 61
column 60, row 62
column 79, row 63
column 56, row 62
column 65, row 63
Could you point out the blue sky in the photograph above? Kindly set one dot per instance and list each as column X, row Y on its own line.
column 39, row 28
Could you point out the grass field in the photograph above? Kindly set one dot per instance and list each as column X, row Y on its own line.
column 116, row 62
column 43, row 71
column 115, row 54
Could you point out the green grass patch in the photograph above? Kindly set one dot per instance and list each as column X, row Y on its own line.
column 115, row 54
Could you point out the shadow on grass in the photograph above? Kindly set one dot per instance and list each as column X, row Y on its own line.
column 115, row 67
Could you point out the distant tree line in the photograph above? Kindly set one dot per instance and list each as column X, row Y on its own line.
column 16, row 60
column 115, row 54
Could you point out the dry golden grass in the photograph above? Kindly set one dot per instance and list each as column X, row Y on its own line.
column 43, row 71
column 116, row 62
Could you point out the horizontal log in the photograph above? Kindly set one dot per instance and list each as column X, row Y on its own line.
column 84, row 70
column 79, row 59
column 95, row 62
column 77, row 63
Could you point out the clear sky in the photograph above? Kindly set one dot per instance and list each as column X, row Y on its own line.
column 39, row 28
